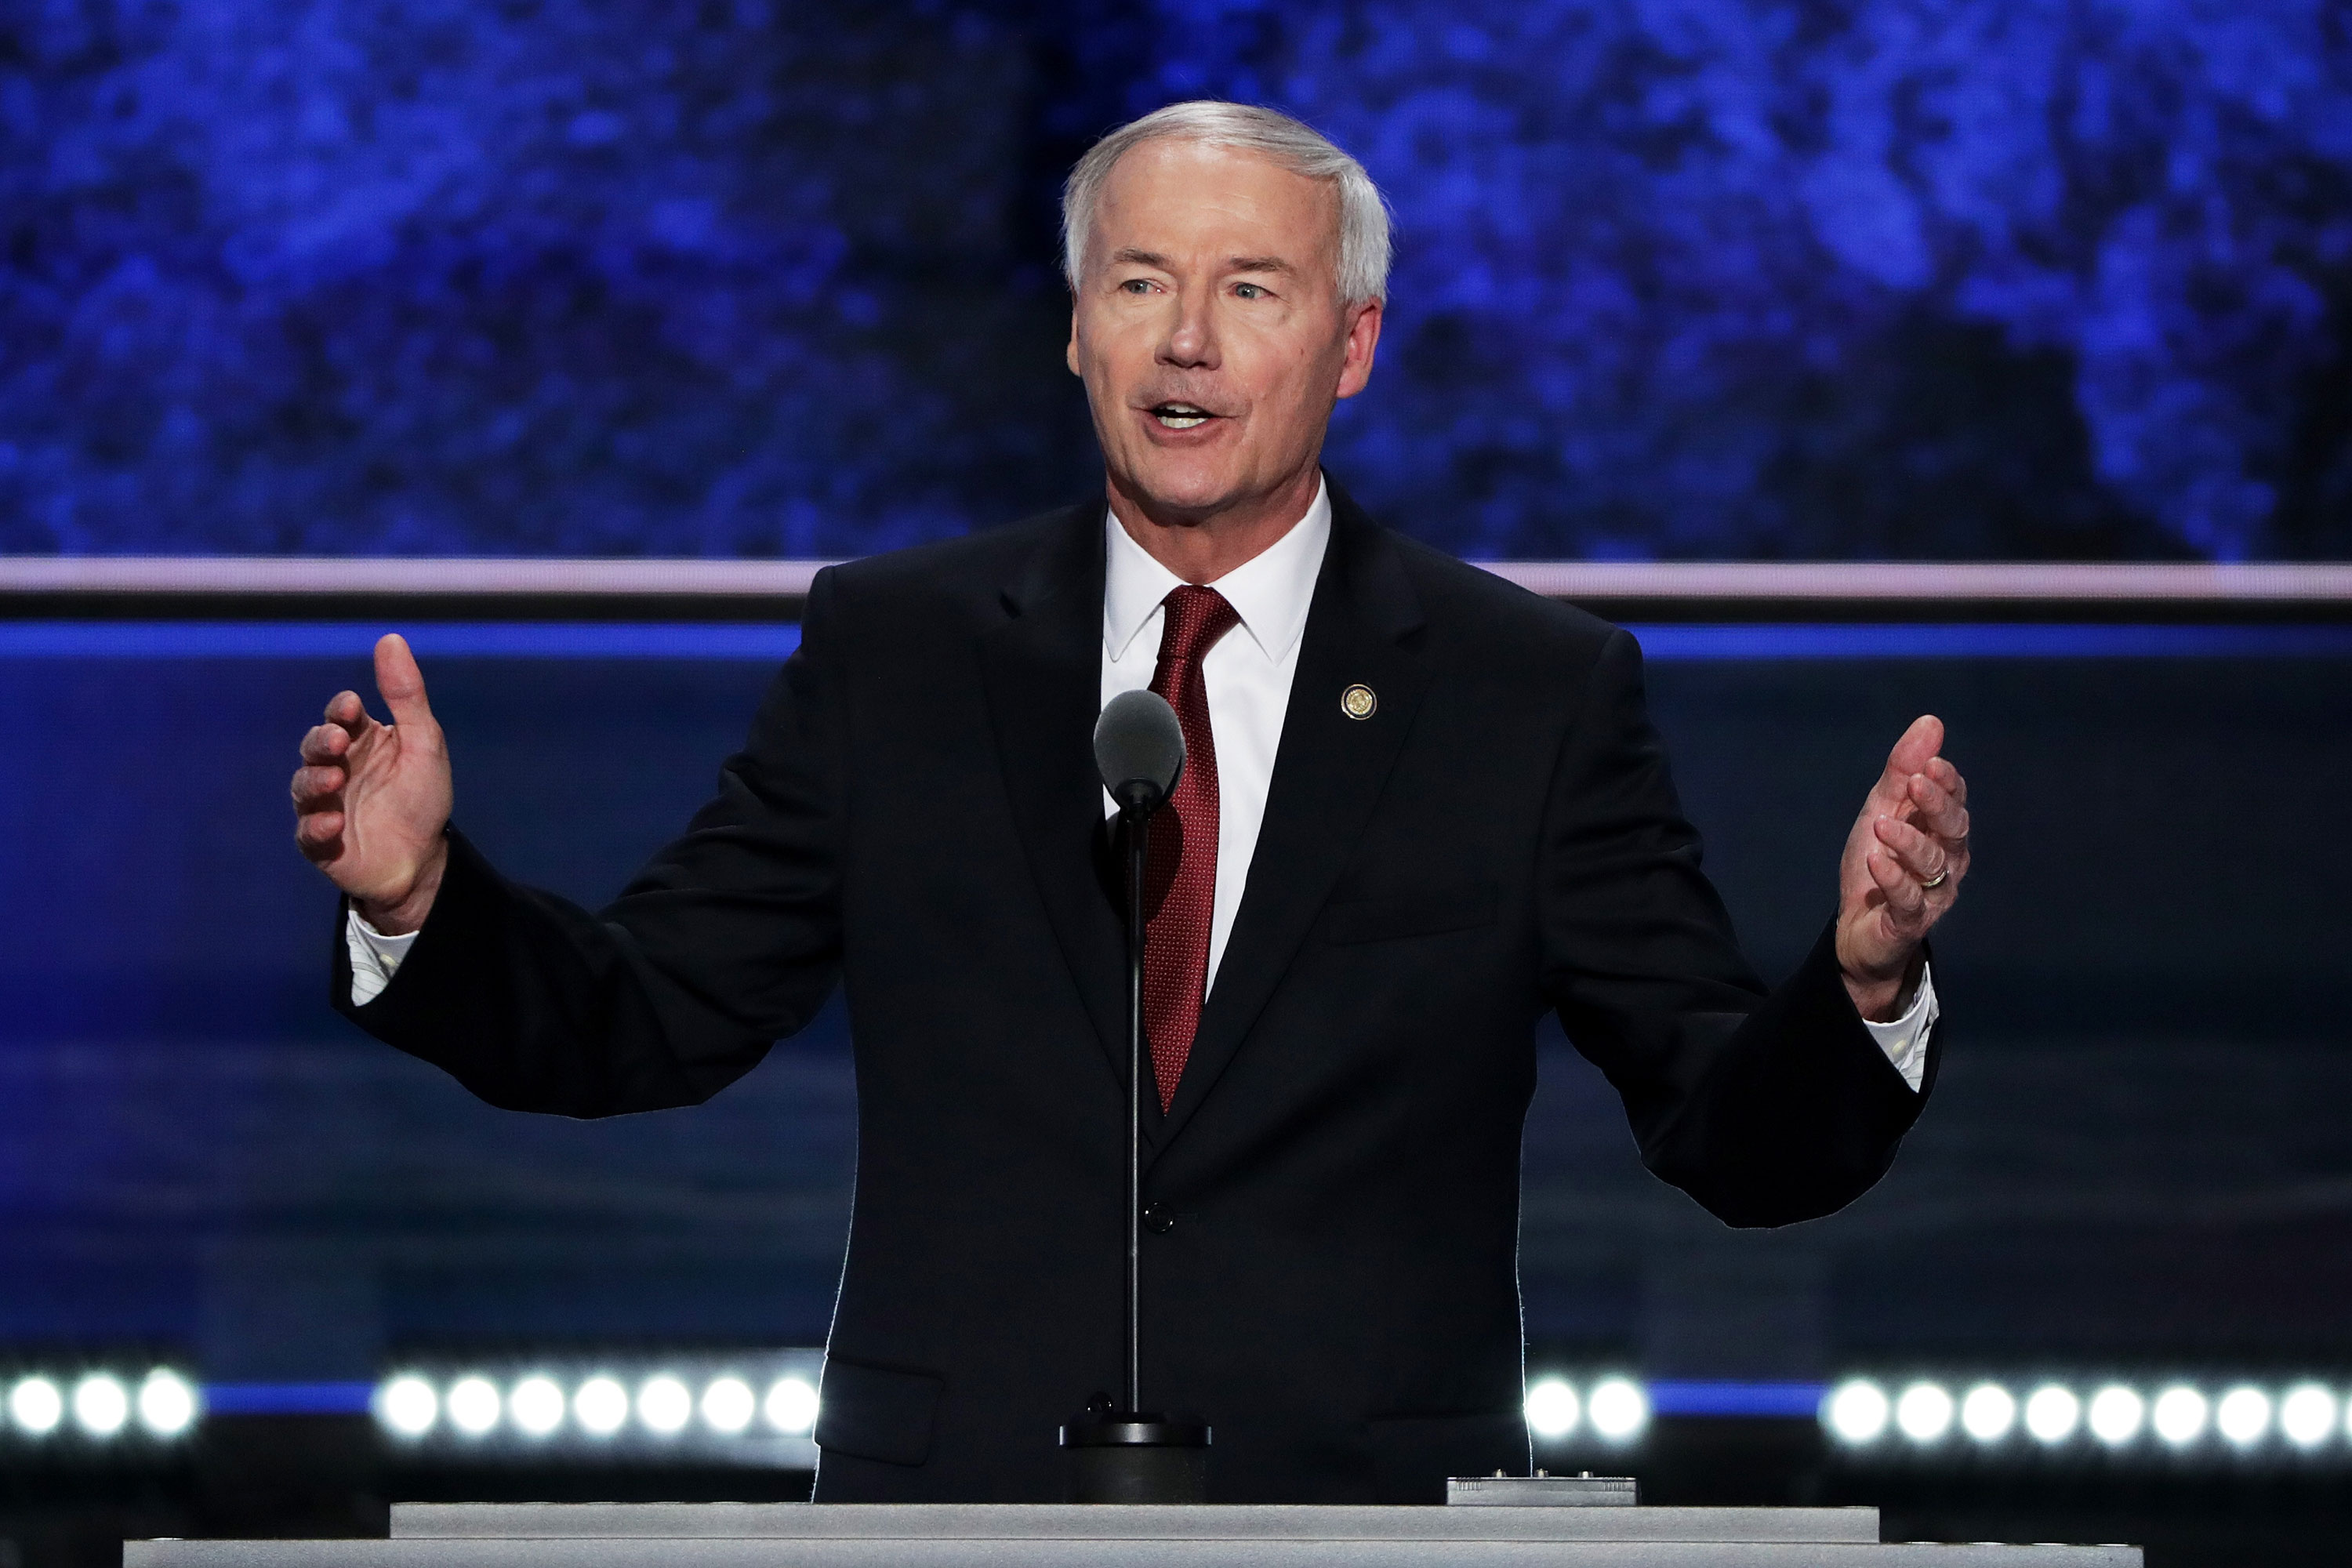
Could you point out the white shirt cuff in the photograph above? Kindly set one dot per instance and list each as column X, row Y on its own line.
column 1905, row 1040
column 375, row 957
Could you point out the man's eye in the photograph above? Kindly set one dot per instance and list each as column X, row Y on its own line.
column 1137, row 286
column 1249, row 290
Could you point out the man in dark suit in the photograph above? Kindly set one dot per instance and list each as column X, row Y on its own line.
column 1422, row 807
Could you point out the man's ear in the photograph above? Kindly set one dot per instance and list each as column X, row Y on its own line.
column 1363, row 338
column 1070, row 355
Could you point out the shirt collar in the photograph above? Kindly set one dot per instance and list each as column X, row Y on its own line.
column 1270, row 592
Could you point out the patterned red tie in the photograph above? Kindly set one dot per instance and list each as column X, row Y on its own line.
column 1181, row 875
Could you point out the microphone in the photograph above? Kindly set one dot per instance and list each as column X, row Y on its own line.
column 1128, row 1455
column 1140, row 750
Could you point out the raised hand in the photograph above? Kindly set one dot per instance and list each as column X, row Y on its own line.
column 371, row 800
column 1902, row 869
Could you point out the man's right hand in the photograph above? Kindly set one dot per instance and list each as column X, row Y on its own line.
column 371, row 800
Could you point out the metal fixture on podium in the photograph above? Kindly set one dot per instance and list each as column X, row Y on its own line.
column 1123, row 1453
column 1542, row 1490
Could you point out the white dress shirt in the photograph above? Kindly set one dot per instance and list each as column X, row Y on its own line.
column 1248, row 674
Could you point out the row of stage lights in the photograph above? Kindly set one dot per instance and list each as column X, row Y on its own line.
column 1614, row 1410
column 539, row 1407
column 101, row 1406
column 2307, row 1417
column 719, row 1408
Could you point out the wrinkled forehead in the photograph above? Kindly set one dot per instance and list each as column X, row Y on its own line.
column 1193, row 203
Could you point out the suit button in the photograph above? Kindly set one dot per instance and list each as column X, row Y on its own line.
column 1158, row 1219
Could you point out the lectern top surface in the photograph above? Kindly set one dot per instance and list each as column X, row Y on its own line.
column 1074, row 1522
column 1168, row 1550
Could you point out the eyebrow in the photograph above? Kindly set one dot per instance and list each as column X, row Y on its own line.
column 1129, row 255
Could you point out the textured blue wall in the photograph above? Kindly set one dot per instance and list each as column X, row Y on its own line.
column 1983, row 278
column 2138, row 1151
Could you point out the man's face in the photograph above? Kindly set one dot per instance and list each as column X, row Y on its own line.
column 1209, row 328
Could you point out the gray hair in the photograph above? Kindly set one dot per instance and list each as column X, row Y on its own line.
column 1293, row 145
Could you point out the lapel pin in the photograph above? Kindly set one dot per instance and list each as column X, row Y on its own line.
column 1358, row 702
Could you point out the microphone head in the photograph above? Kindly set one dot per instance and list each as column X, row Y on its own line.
column 1139, row 749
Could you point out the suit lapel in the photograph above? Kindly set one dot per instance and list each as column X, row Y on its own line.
column 1328, row 774
column 1043, row 672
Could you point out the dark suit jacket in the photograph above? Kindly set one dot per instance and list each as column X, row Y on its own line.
column 1330, row 1272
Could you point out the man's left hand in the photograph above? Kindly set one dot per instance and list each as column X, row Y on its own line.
column 1902, row 866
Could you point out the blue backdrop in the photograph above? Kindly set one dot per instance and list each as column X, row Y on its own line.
column 1677, row 278
column 2137, row 1154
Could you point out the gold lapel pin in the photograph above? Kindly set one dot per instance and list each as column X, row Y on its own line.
column 1358, row 702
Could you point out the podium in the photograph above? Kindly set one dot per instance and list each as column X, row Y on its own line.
column 1063, row 1535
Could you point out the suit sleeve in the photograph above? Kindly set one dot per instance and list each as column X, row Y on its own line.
column 727, row 940
column 1768, row 1107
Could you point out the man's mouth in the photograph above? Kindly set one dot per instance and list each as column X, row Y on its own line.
column 1180, row 416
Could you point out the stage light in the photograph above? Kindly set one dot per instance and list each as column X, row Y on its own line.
column 101, row 1404
column 2051, row 1412
column 1857, row 1411
column 537, row 1406
column 2117, row 1415
column 790, row 1405
column 2307, row 1416
column 2180, row 1416
column 408, row 1405
column 473, row 1404
column 1552, row 1410
column 167, row 1405
column 35, row 1405
column 663, row 1404
column 1989, row 1412
column 1619, row 1409
column 2244, row 1417
column 727, row 1404
column 602, row 1407
column 1924, row 1413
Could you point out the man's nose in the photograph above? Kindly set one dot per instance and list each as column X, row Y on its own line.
column 1192, row 339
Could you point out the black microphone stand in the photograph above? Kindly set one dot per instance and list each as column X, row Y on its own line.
column 1127, row 1454
column 1135, row 815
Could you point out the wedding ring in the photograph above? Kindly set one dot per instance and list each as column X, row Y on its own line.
column 1935, row 881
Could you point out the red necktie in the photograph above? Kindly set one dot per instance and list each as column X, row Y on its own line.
column 1181, row 873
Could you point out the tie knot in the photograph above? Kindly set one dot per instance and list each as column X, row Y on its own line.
column 1197, row 617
